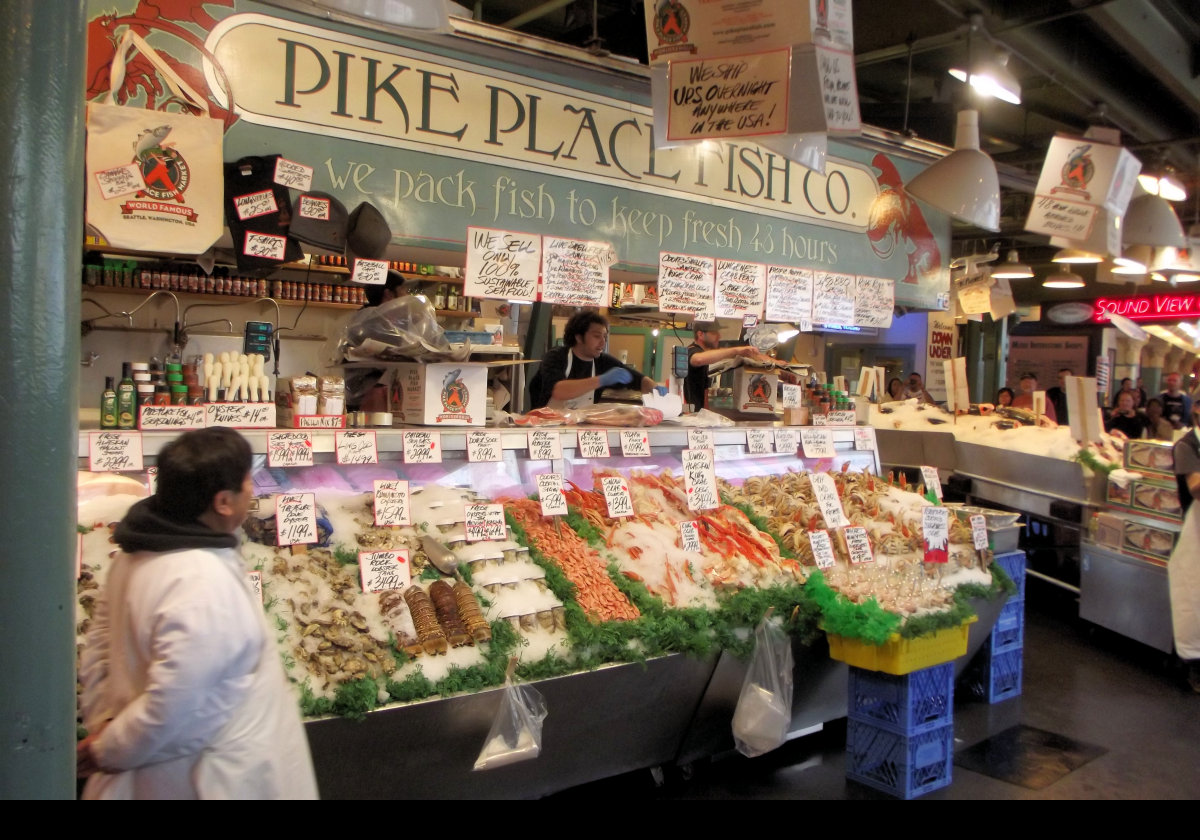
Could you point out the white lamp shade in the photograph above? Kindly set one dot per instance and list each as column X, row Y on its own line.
column 1064, row 280
column 1150, row 220
column 1012, row 268
column 964, row 184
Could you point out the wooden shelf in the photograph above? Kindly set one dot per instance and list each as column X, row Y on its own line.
column 232, row 300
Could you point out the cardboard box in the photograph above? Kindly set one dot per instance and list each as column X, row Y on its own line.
column 1156, row 498
column 442, row 394
column 1149, row 541
column 1109, row 530
column 1150, row 456
column 754, row 391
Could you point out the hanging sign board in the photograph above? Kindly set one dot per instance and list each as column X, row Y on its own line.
column 874, row 302
column 733, row 96
column 502, row 264
column 740, row 289
column 789, row 293
column 575, row 271
column 833, row 299
column 685, row 284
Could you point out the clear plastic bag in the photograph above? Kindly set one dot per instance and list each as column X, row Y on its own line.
column 516, row 733
column 764, row 708
column 396, row 330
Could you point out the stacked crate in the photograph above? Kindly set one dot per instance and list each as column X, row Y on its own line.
column 995, row 673
column 900, row 731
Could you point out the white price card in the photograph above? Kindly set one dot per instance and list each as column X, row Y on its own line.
column 265, row 245
column 356, row 447
column 700, row 479
column 295, row 176
column 699, row 439
column 791, row 396
column 484, row 446
column 821, row 419
column 616, row 494
column 295, row 518
column 979, row 536
column 173, row 418
column 550, row 494
column 935, row 525
column 254, row 581
column 545, row 445
column 689, row 537
column 635, row 443
column 320, row 421
column 593, row 443
column 864, row 439
column 758, row 441
column 392, row 503
column 422, row 447
column 369, row 272
column 822, row 548
column 485, row 522
column 786, row 441
column 314, row 207
column 120, row 180
column 817, row 443
column 255, row 204
column 830, row 505
column 841, row 418
column 929, row 475
column 289, row 449
column 114, row 451
column 858, row 545
column 152, row 479
column 381, row 571
column 240, row 415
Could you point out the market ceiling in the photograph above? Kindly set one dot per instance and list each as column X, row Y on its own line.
column 1133, row 65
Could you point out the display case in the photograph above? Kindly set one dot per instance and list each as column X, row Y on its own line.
column 602, row 721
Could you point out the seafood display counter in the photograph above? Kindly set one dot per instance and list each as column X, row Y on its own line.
column 604, row 719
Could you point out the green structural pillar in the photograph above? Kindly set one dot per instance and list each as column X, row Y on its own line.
column 41, row 205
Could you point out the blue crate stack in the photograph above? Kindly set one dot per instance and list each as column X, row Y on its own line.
column 995, row 674
column 900, row 731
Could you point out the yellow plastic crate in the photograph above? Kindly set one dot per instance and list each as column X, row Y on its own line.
column 902, row 656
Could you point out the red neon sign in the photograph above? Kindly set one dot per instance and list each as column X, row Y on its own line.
column 1148, row 308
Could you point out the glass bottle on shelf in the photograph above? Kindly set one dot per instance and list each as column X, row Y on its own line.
column 439, row 298
column 452, row 298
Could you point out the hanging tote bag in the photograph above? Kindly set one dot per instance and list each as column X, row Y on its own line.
column 154, row 177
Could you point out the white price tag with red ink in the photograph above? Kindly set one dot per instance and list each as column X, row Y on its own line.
column 550, row 494
column 545, row 445
column 616, row 494
column 689, row 537
column 296, row 176
column 700, row 479
column 356, row 447
column 979, row 537
column 265, row 245
column 296, row 518
column 422, row 447
column 635, row 443
column 255, row 204
column 930, row 476
column 485, row 522
column 369, row 272
column 858, row 545
column 392, row 506
column 484, row 447
column 864, row 438
column 289, row 449
column 593, row 443
column 381, row 571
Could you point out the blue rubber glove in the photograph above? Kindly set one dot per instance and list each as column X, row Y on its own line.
column 661, row 389
column 615, row 376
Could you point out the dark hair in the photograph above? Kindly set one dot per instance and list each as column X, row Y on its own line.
column 1029, row 375
column 395, row 280
column 894, row 380
column 580, row 323
column 196, row 466
column 1155, row 401
column 1008, row 391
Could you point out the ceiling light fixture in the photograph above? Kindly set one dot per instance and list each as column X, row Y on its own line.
column 1063, row 280
column 964, row 183
column 1012, row 268
column 1127, row 265
column 992, row 78
column 1166, row 184
column 1150, row 220
column 1075, row 256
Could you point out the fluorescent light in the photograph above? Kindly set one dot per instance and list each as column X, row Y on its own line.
column 1165, row 185
column 1063, row 280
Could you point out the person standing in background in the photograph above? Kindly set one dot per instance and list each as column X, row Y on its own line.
column 572, row 376
column 1158, row 426
column 706, row 350
column 1125, row 420
column 916, row 389
column 1177, row 406
column 183, row 689
column 1058, row 396
column 1004, row 397
column 895, row 389
column 1029, row 384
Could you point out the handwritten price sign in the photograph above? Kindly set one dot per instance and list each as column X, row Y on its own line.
column 289, row 449
column 502, row 264
column 484, row 446
column 265, row 245
column 593, row 443
column 616, row 494
column 979, row 537
column 485, row 522
column 699, row 439
column 314, row 207
column 544, row 445
column 550, row 493
column 817, row 443
column 254, row 581
column 786, row 442
column 255, row 204
column 935, row 524
column 827, row 500
column 120, row 180
column 356, row 447
column 858, row 544
column 635, row 443
column 700, row 479
column 297, row 176
column 370, row 272
column 392, row 506
column 296, row 518
column 758, row 441
column 822, row 548
column 791, row 395
column 930, row 476
column 381, row 571
column 689, row 537
column 864, row 438
column 422, row 448
column 114, row 451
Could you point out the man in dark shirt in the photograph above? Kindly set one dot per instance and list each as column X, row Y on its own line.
column 573, row 375
column 1058, row 396
column 706, row 350
column 1177, row 406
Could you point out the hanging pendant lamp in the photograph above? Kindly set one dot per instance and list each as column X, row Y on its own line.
column 1151, row 220
column 964, row 184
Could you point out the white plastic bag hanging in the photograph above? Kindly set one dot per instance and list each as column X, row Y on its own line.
column 516, row 733
column 764, row 708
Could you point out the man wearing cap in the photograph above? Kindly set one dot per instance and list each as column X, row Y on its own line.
column 706, row 350
column 572, row 376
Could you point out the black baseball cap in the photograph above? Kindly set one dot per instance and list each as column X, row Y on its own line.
column 368, row 234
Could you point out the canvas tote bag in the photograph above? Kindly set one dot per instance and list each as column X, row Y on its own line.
column 154, row 177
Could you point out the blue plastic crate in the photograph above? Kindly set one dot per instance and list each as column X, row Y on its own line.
column 1009, row 632
column 994, row 676
column 906, row 766
column 907, row 705
column 1013, row 562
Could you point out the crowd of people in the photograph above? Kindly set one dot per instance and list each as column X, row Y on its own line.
column 1158, row 418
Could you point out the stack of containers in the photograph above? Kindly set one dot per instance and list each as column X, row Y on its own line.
column 900, row 730
column 995, row 673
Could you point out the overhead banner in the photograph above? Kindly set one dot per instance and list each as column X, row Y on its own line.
column 678, row 29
